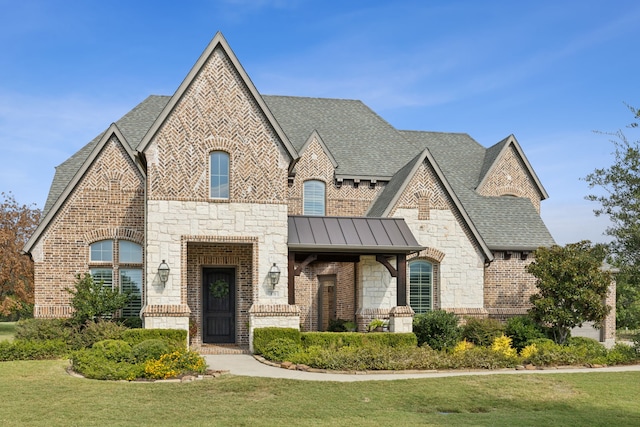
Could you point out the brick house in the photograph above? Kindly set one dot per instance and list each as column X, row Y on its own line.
column 224, row 186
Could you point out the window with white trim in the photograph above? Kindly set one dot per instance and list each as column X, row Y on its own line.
column 219, row 175
column 421, row 286
column 128, row 267
column 313, row 198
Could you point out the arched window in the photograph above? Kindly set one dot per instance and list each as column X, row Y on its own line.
column 219, row 175
column 421, row 286
column 128, row 264
column 313, row 197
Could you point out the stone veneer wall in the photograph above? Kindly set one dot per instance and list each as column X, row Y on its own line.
column 170, row 221
column 461, row 278
column 379, row 296
column 510, row 177
column 108, row 203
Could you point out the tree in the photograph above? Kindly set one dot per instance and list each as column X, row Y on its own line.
column 572, row 287
column 621, row 203
column 93, row 300
column 17, row 223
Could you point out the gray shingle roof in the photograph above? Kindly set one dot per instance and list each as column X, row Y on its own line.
column 133, row 126
column 365, row 145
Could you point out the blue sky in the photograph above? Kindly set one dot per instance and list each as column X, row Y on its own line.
column 550, row 72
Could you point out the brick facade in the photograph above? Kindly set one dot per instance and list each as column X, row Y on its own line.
column 107, row 204
column 508, row 286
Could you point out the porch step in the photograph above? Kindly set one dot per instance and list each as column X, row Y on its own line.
column 221, row 349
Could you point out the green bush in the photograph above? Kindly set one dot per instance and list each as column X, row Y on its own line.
column 437, row 329
column 482, row 331
column 116, row 350
column 281, row 349
column 93, row 364
column 619, row 354
column 130, row 322
column 150, row 349
column 32, row 350
column 482, row 358
column 91, row 300
column 587, row 347
column 175, row 338
column 356, row 339
column 91, row 332
column 43, row 330
column 522, row 330
column 263, row 336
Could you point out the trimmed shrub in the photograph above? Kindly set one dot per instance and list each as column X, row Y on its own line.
column 522, row 330
column 130, row 322
column 93, row 364
column 175, row 338
column 150, row 349
column 263, row 336
column 116, row 350
column 355, row 339
column 437, row 329
column 43, row 330
column 92, row 332
column 281, row 349
column 482, row 358
column 587, row 347
column 32, row 350
column 482, row 331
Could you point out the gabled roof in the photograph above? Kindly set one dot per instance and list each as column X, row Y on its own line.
column 363, row 144
column 495, row 153
column 315, row 135
column 92, row 150
column 217, row 42
column 505, row 223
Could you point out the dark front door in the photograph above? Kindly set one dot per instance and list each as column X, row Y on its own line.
column 219, row 310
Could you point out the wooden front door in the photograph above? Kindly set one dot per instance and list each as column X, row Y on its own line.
column 219, row 305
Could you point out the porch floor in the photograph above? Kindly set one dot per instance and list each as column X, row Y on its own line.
column 220, row 349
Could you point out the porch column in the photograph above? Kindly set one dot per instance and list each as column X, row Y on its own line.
column 401, row 279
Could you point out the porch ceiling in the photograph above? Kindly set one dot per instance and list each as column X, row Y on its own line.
column 360, row 235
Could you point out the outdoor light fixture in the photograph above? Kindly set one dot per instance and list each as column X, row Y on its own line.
column 163, row 272
column 274, row 275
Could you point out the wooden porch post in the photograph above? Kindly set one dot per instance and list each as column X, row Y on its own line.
column 401, row 280
column 291, row 268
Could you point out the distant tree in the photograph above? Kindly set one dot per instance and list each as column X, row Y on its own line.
column 92, row 300
column 572, row 287
column 17, row 223
column 621, row 203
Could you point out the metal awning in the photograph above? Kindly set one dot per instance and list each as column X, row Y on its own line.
column 351, row 235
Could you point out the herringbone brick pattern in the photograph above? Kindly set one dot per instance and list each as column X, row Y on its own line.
column 510, row 177
column 217, row 112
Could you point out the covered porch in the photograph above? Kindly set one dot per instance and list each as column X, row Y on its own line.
column 349, row 268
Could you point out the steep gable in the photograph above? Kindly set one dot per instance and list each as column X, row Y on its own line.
column 507, row 171
column 217, row 108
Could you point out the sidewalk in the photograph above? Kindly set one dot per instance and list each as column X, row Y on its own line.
column 246, row 365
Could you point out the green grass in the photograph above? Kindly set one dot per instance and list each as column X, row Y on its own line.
column 41, row 393
column 7, row 330
column 626, row 334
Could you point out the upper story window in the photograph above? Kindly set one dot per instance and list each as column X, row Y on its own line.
column 421, row 286
column 219, row 175
column 313, row 196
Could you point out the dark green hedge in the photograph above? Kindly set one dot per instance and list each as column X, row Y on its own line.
column 356, row 339
column 176, row 338
column 32, row 350
column 263, row 336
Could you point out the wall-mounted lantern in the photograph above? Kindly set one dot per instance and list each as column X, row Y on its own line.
column 163, row 272
column 274, row 275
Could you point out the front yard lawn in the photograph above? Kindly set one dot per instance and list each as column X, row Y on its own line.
column 41, row 393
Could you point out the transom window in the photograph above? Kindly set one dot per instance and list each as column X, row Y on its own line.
column 313, row 196
column 219, row 175
column 129, row 266
column 421, row 286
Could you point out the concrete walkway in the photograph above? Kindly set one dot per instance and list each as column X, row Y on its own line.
column 246, row 365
